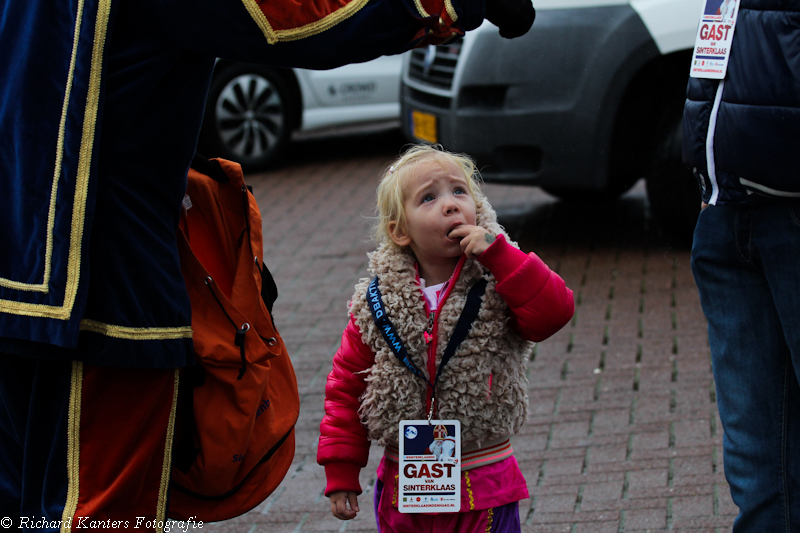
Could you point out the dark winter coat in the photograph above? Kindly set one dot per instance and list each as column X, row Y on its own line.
column 745, row 148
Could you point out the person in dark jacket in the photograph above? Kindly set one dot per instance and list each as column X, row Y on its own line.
column 101, row 103
column 741, row 137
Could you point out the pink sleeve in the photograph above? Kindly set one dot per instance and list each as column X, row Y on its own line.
column 538, row 299
column 343, row 445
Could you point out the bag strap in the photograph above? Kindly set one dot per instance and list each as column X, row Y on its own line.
column 269, row 290
column 388, row 331
column 468, row 315
column 210, row 168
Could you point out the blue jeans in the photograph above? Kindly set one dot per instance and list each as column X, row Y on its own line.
column 746, row 262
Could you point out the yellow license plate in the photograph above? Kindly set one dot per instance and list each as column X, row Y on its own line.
column 423, row 126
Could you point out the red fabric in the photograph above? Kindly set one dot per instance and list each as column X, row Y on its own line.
column 342, row 476
column 539, row 305
column 438, row 26
column 130, row 408
column 295, row 14
column 502, row 259
column 538, row 299
column 343, row 443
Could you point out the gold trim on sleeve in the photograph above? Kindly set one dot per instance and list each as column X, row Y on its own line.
column 81, row 183
column 306, row 31
column 136, row 334
column 166, row 469
column 73, row 447
column 422, row 12
column 448, row 5
column 261, row 20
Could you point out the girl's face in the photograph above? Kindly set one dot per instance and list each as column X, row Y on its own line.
column 436, row 200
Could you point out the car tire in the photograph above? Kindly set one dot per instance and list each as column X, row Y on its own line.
column 248, row 115
column 672, row 190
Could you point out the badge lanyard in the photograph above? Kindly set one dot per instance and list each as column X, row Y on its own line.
column 468, row 316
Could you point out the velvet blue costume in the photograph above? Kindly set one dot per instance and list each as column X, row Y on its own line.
column 101, row 103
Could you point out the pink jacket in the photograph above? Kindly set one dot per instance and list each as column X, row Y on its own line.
column 539, row 305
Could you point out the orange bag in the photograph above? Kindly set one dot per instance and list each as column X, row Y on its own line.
column 234, row 437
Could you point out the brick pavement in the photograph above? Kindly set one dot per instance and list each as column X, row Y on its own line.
column 624, row 434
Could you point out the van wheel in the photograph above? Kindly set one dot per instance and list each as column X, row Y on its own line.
column 672, row 190
column 247, row 115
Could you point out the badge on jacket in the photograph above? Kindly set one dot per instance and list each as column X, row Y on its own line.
column 430, row 466
column 712, row 46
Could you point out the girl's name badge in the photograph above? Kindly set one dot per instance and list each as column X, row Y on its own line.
column 712, row 48
column 430, row 466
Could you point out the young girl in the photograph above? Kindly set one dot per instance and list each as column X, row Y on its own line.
column 437, row 236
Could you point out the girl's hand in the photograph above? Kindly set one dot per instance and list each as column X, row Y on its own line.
column 474, row 239
column 339, row 501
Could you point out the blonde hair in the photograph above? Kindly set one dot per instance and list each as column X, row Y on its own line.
column 391, row 200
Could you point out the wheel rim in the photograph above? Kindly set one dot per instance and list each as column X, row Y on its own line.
column 249, row 116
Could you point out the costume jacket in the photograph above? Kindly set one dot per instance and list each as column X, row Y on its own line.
column 101, row 102
column 741, row 134
column 484, row 384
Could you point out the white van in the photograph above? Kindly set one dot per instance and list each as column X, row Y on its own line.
column 586, row 103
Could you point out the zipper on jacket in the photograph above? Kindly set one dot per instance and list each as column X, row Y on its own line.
column 432, row 360
column 431, row 317
column 433, row 330
column 711, row 163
